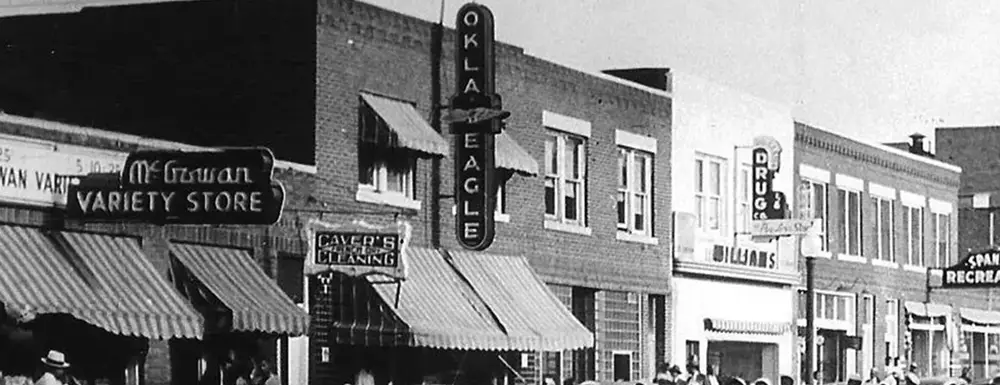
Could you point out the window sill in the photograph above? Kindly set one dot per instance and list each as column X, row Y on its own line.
column 497, row 216
column 915, row 268
column 551, row 224
column 883, row 263
column 637, row 238
column 852, row 258
column 368, row 195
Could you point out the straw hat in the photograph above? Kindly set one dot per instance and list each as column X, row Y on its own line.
column 55, row 359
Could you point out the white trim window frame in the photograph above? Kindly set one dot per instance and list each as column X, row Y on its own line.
column 635, row 191
column 823, row 212
column 709, row 197
column 851, row 237
column 885, row 228
column 743, row 197
column 942, row 239
column 566, row 178
column 386, row 175
column 914, row 234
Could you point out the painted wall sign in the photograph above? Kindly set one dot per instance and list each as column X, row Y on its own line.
column 767, row 203
column 357, row 249
column 233, row 186
column 474, row 138
column 978, row 269
column 745, row 257
column 39, row 173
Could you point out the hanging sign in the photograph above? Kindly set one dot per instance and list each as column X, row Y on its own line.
column 232, row 186
column 978, row 269
column 767, row 204
column 475, row 100
column 357, row 249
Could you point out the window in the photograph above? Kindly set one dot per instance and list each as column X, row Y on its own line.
column 622, row 366
column 634, row 190
column 913, row 235
column 501, row 200
column 381, row 167
column 850, row 218
column 565, row 174
column 743, row 198
column 884, row 214
column 818, row 198
column 942, row 240
column 829, row 306
column 891, row 327
column 708, row 193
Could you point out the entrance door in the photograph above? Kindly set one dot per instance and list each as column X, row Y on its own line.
column 832, row 355
column 745, row 360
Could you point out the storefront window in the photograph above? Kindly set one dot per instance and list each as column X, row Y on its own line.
column 993, row 353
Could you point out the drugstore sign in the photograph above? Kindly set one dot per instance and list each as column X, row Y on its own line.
column 39, row 173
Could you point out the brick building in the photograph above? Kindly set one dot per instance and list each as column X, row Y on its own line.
column 889, row 219
column 585, row 194
column 971, row 148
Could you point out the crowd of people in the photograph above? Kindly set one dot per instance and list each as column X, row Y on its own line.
column 672, row 375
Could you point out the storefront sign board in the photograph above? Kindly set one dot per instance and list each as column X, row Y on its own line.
column 232, row 186
column 977, row 269
column 767, row 203
column 745, row 257
column 357, row 248
column 780, row 227
column 39, row 173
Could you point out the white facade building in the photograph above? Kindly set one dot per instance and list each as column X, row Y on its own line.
column 733, row 298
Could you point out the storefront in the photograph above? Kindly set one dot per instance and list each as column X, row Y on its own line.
column 979, row 347
column 733, row 308
column 928, row 332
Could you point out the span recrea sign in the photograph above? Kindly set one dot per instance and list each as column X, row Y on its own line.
column 978, row 269
column 231, row 186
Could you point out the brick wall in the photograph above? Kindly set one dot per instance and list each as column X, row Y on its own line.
column 838, row 154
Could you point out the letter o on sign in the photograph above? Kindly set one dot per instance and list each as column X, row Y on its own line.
column 471, row 19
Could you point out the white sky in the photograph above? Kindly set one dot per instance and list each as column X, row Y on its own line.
column 876, row 70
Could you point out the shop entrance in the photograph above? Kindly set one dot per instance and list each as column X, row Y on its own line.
column 832, row 355
column 746, row 360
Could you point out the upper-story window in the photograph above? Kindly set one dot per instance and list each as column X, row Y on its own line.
column 942, row 211
column 501, row 200
column 391, row 137
column 565, row 169
column 849, row 216
column 883, row 200
column 818, row 204
column 913, row 228
column 743, row 198
column 635, row 182
column 708, row 179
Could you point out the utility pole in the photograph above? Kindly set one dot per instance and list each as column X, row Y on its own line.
column 437, row 35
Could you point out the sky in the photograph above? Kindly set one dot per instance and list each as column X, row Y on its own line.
column 873, row 70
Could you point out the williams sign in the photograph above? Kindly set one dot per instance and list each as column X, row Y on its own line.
column 357, row 249
column 474, row 137
column 981, row 269
column 231, row 186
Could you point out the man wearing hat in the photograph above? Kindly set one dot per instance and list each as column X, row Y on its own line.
column 54, row 367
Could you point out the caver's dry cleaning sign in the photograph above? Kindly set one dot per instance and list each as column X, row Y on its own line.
column 232, row 186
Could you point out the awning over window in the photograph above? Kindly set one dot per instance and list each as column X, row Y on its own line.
column 43, row 7
column 524, row 305
column 921, row 309
column 410, row 129
column 984, row 317
column 256, row 301
column 511, row 156
column 105, row 281
column 746, row 327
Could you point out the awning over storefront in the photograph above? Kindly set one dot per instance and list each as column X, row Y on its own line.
column 921, row 309
column 746, row 327
column 523, row 303
column 511, row 156
column 466, row 303
column 256, row 301
column 410, row 129
column 105, row 281
column 984, row 317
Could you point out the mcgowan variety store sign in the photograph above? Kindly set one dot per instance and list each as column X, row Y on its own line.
column 981, row 269
column 231, row 186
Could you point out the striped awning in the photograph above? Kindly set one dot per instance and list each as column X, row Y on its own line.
column 43, row 7
column 921, row 309
column 746, row 327
column 984, row 317
column 148, row 305
column 410, row 129
column 534, row 318
column 439, row 309
column 256, row 301
column 511, row 156
column 89, row 282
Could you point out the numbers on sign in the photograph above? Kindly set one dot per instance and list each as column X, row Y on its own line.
column 5, row 154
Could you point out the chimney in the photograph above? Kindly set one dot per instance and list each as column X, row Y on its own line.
column 917, row 144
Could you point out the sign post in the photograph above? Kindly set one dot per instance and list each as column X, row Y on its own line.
column 475, row 117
